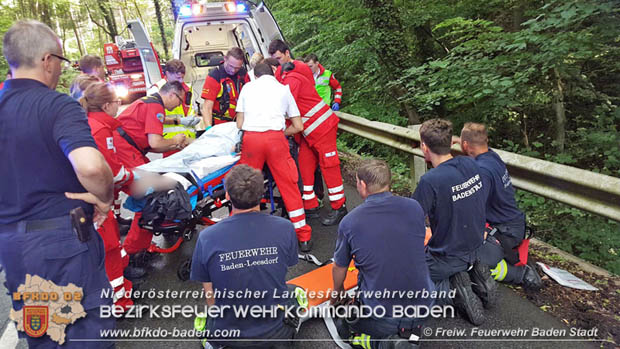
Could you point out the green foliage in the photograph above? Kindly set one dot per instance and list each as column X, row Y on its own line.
column 587, row 236
column 509, row 64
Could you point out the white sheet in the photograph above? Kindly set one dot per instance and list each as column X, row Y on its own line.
column 207, row 154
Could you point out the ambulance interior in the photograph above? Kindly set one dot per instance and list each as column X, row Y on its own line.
column 204, row 45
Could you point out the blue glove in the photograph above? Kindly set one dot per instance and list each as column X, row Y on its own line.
column 336, row 106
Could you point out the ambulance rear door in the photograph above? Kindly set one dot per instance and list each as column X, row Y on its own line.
column 150, row 60
column 268, row 29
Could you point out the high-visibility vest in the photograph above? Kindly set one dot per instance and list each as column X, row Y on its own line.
column 170, row 130
column 322, row 86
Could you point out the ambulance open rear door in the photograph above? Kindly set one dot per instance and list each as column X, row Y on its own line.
column 150, row 60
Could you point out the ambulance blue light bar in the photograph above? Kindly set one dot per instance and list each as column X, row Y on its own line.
column 236, row 7
column 194, row 9
column 185, row 11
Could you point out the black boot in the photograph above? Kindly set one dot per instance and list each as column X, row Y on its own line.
column 483, row 284
column 466, row 300
column 305, row 246
column 313, row 212
column 531, row 279
column 123, row 221
column 124, row 229
column 133, row 273
column 335, row 216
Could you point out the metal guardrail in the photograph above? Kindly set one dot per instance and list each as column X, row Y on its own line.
column 585, row 190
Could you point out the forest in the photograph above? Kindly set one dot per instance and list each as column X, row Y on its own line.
column 542, row 74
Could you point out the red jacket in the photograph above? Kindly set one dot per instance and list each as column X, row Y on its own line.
column 143, row 117
column 334, row 84
column 318, row 118
column 220, row 88
column 102, row 127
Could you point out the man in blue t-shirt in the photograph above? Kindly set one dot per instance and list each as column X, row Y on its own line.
column 453, row 195
column 385, row 238
column 501, row 210
column 242, row 262
column 50, row 166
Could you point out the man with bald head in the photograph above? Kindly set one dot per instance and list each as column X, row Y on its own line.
column 502, row 212
column 55, row 168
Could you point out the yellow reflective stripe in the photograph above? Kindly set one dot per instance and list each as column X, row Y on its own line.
column 176, row 128
column 500, row 271
column 188, row 133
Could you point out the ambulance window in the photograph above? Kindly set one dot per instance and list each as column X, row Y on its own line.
column 209, row 59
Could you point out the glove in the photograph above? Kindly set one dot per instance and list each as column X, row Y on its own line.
column 190, row 121
column 336, row 106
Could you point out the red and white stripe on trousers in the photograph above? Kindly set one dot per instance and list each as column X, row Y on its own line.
column 308, row 193
column 335, row 193
column 298, row 218
column 119, row 283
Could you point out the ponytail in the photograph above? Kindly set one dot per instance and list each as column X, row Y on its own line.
column 96, row 95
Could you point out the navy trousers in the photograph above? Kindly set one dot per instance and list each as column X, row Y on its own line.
column 50, row 249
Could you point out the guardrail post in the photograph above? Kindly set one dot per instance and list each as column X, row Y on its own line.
column 418, row 169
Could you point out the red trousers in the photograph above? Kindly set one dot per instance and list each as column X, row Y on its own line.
column 116, row 260
column 325, row 155
column 272, row 147
column 137, row 239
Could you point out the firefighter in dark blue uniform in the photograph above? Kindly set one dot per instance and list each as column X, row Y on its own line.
column 502, row 212
column 52, row 167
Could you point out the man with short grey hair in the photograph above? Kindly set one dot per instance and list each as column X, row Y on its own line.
column 57, row 185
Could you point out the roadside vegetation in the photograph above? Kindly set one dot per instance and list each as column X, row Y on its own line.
column 543, row 75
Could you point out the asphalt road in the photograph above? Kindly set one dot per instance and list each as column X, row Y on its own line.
column 511, row 313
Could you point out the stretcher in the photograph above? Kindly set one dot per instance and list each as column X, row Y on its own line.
column 200, row 168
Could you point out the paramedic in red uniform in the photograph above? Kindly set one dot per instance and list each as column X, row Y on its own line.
column 318, row 144
column 141, row 132
column 261, row 111
column 100, row 102
column 221, row 89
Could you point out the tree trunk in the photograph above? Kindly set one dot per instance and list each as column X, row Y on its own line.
column 526, row 140
column 108, row 18
column 135, row 4
column 517, row 15
column 391, row 47
column 76, row 32
column 560, row 112
column 160, row 23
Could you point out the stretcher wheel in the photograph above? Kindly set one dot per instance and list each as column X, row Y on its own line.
column 184, row 270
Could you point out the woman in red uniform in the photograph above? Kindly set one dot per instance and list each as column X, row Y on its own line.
column 101, row 104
